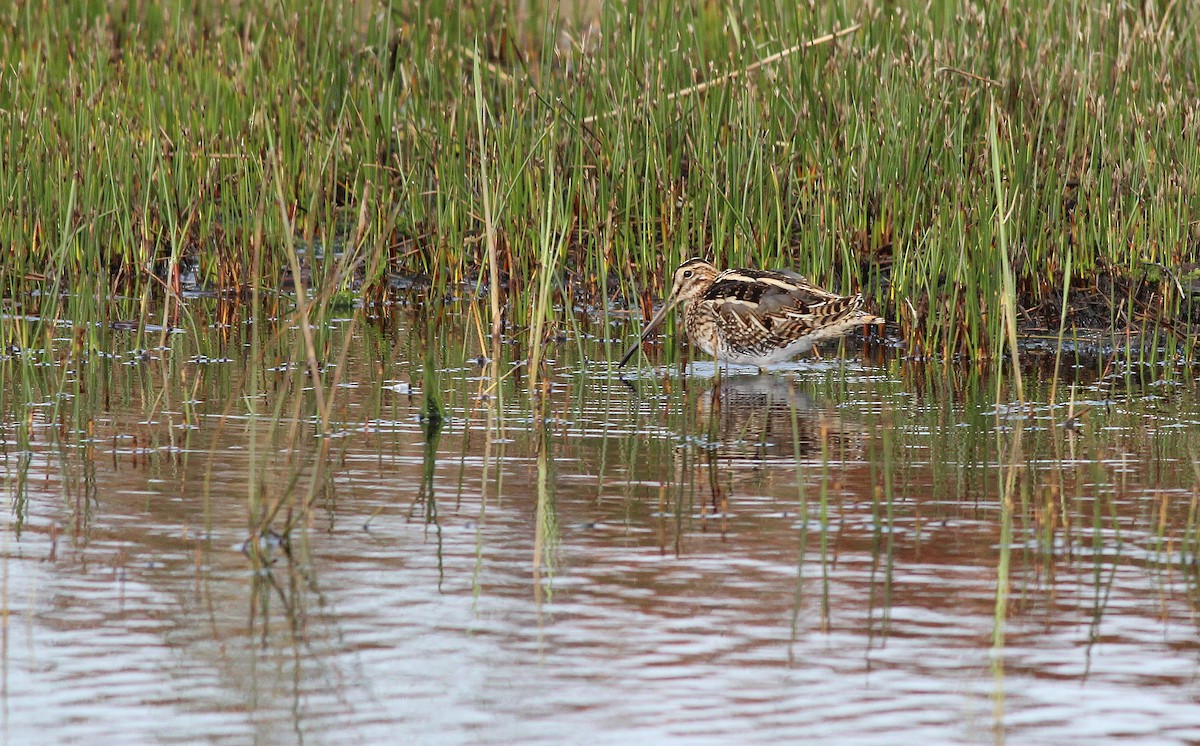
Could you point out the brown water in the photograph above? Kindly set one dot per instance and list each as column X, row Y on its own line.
column 813, row 556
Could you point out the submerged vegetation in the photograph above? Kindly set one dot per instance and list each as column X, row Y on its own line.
column 558, row 159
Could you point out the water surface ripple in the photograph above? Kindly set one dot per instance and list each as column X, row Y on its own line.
column 812, row 555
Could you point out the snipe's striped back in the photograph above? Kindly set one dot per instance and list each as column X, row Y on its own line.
column 754, row 316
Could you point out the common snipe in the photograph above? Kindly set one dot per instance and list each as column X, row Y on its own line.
column 753, row 316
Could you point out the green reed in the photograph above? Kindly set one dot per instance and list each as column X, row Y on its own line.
column 136, row 143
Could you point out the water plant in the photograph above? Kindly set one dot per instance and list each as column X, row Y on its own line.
column 431, row 139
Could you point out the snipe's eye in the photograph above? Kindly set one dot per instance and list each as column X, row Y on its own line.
column 687, row 273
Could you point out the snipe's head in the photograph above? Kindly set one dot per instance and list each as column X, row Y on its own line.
column 691, row 280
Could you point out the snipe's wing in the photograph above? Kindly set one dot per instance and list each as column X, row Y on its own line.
column 777, row 304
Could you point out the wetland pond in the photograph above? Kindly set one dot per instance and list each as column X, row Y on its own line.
column 856, row 549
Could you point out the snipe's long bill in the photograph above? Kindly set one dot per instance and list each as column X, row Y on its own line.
column 754, row 316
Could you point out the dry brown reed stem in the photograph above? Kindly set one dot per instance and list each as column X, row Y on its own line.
column 488, row 222
column 965, row 74
column 701, row 87
column 475, row 58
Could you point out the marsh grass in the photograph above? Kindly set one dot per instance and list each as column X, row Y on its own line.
column 443, row 141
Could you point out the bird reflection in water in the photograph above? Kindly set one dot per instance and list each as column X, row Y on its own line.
column 756, row 422
column 768, row 417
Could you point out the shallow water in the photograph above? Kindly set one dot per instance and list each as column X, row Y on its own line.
column 813, row 554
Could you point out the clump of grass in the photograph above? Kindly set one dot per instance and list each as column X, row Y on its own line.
column 137, row 142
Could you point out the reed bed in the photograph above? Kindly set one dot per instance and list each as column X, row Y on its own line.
column 537, row 159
